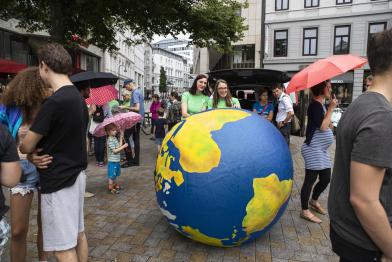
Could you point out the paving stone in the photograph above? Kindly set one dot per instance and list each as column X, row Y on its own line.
column 130, row 226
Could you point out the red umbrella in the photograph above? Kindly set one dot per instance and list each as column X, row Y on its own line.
column 10, row 67
column 324, row 69
column 102, row 95
column 122, row 121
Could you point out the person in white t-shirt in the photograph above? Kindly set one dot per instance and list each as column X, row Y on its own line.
column 285, row 111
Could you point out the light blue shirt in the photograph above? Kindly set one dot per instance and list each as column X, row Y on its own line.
column 137, row 98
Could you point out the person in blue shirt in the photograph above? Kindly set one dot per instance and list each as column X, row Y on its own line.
column 263, row 107
column 136, row 105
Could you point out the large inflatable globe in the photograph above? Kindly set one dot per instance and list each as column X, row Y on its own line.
column 223, row 177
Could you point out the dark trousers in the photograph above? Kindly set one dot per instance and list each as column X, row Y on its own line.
column 310, row 178
column 99, row 148
column 286, row 130
column 128, row 150
column 351, row 253
column 135, row 133
column 153, row 125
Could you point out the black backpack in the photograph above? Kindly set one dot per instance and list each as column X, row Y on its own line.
column 98, row 115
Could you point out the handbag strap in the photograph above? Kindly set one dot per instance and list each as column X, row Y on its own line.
column 265, row 108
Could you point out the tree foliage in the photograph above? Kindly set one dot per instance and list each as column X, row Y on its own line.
column 212, row 23
column 162, row 81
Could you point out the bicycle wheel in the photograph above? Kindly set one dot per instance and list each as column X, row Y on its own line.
column 146, row 127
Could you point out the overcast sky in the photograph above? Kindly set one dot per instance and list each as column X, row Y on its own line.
column 158, row 37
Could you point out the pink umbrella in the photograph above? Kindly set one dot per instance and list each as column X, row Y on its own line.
column 122, row 121
column 324, row 69
column 101, row 95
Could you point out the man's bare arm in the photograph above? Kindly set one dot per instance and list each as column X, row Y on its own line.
column 365, row 186
column 30, row 142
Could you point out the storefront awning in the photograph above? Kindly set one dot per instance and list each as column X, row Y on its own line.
column 10, row 67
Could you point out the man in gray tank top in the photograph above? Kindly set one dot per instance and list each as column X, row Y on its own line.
column 360, row 198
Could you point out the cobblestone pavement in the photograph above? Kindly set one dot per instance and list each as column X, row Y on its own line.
column 130, row 227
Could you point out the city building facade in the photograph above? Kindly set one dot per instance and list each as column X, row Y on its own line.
column 175, row 66
column 301, row 32
column 246, row 53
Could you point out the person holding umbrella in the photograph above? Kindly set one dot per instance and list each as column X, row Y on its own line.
column 319, row 137
column 114, row 147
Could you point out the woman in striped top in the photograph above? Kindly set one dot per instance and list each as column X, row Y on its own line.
column 319, row 138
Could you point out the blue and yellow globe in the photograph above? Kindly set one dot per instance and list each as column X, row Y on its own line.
column 223, row 177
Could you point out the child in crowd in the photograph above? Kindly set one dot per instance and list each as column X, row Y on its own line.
column 10, row 173
column 160, row 128
column 114, row 148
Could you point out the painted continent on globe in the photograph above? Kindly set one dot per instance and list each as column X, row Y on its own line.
column 223, row 177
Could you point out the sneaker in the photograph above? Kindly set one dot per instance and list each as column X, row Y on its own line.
column 88, row 194
column 101, row 164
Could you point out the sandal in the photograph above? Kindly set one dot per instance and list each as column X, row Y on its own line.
column 318, row 209
column 311, row 218
column 113, row 190
column 117, row 186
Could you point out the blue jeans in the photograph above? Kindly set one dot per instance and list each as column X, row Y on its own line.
column 99, row 148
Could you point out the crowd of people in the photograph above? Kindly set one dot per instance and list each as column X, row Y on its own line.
column 43, row 148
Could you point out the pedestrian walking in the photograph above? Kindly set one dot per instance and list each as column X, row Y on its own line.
column 195, row 100
column 114, row 147
column 174, row 111
column 263, row 107
column 360, row 197
column 221, row 97
column 285, row 111
column 60, row 130
column 136, row 105
column 10, row 173
column 99, row 115
column 160, row 132
column 319, row 137
column 21, row 101
column 155, row 105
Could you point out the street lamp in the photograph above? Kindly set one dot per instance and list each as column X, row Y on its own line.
column 118, row 73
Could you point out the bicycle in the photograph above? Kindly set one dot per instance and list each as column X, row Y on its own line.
column 146, row 124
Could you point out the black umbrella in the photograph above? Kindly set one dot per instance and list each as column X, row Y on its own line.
column 94, row 79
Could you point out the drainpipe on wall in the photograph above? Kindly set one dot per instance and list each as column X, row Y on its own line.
column 262, row 44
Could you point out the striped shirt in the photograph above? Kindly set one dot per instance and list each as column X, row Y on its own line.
column 113, row 144
column 316, row 154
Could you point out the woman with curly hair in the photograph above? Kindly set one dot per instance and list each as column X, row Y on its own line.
column 21, row 101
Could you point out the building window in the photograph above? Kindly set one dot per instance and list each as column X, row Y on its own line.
column 342, row 40
column 375, row 28
column 310, row 41
column 281, row 5
column 311, row 3
column 280, row 43
column 343, row 2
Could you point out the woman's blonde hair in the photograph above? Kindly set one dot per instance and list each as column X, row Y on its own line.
column 26, row 91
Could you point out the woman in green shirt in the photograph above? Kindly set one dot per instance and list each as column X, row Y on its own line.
column 195, row 100
column 222, row 97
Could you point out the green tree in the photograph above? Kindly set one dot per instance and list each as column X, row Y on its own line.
column 212, row 23
column 162, row 81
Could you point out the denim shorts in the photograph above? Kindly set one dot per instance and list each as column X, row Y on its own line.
column 114, row 169
column 29, row 179
column 158, row 141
